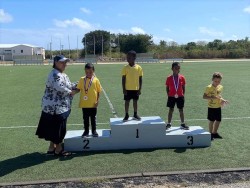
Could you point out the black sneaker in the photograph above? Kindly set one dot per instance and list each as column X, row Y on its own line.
column 212, row 137
column 85, row 134
column 94, row 134
column 168, row 126
column 184, row 126
column 126, row 118
column 136, row 117
column 216, row 135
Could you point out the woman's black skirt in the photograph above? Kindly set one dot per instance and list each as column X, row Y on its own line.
column 52, row 127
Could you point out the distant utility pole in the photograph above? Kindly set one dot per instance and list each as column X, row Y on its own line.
column 119, row 46
column 77, row 47
column 102, row 47
column 94, row 43
column 60, row 48
column 51, row 55
column 85, row 45
column 69, row 46
column 110, row 45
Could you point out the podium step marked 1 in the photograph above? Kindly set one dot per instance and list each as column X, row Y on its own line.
column 150, row 132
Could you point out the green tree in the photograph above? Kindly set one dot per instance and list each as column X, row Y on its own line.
column 139, row 42
column 95, row 38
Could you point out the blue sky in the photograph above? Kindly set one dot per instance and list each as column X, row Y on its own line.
column 36, row 22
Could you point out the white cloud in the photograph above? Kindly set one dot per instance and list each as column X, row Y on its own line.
column 157, row 39
column 247, row 9
column 235, row 37
column 5, row 17
column 85, row 10
column 137, row 30
column 117, row 31
column 215, row 19
column 74, row 22
column 122, row 15
column 167, row 30
column 42, row 37
column 210, row 32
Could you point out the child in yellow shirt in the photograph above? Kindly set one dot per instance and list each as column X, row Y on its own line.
column 131, row 84
column 215, row 102
column 89, row 87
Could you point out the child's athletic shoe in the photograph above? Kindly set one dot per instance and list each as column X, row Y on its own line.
column 126, row 118
column 216, row 135
column 94, row 134
column 85, row 134
column 212, row 137
column 168, row 125
column 136, row 117
column 184, row 126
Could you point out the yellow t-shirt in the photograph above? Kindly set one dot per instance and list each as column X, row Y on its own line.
column 88, row 100
column 132, row 76
column 214, row 91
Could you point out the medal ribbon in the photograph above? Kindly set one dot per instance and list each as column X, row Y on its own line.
column 90, row 83
column 176, row 85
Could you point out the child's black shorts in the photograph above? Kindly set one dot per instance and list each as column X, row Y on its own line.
column 131, row 94
column 214, row 114
column 179, row 101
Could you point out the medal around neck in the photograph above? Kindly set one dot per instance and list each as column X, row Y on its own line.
column 85, row 98
column 176, row 86
column 86, row 89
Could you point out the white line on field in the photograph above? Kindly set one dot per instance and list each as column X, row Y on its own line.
column 17, row 127
column 233, row 118
column 110, row 104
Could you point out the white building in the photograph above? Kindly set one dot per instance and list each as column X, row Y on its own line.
column 9, row 52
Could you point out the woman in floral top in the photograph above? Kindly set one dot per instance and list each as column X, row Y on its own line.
column 56, row 106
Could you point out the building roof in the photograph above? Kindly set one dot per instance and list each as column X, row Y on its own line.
column 13, row 45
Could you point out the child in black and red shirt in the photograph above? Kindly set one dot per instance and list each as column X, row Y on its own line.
column 175, row 87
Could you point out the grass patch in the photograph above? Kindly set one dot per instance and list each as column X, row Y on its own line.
column 22, row 153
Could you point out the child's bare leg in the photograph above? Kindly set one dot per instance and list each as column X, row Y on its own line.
column 126, row 106
column 181, row 115
column 216, row 127
column 51, row 146
column 135, row 105
column 211, row 126
column 170, row 114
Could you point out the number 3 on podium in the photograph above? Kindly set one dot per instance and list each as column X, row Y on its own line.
column 190, row 140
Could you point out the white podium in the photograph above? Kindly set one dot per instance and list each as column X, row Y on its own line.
column 148, row 133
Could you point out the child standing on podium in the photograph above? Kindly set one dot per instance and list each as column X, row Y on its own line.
column 131, row 84
column 175, row 87
column 215, row 102
column 90, row 88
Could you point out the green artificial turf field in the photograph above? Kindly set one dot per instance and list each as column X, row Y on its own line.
column 23, row 156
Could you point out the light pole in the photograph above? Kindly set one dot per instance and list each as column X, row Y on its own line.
column 94, row 43
column 102, row 47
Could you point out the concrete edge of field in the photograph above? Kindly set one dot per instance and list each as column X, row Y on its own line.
column 124, row 176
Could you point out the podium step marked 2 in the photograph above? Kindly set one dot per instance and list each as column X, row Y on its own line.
column 148, row 133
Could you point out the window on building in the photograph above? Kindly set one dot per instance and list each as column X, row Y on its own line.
column 21, row 51
column 14, row 51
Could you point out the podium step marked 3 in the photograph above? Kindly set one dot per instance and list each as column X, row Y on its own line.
column 150, row 132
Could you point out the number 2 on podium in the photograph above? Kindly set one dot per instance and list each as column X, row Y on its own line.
column 86, row 144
